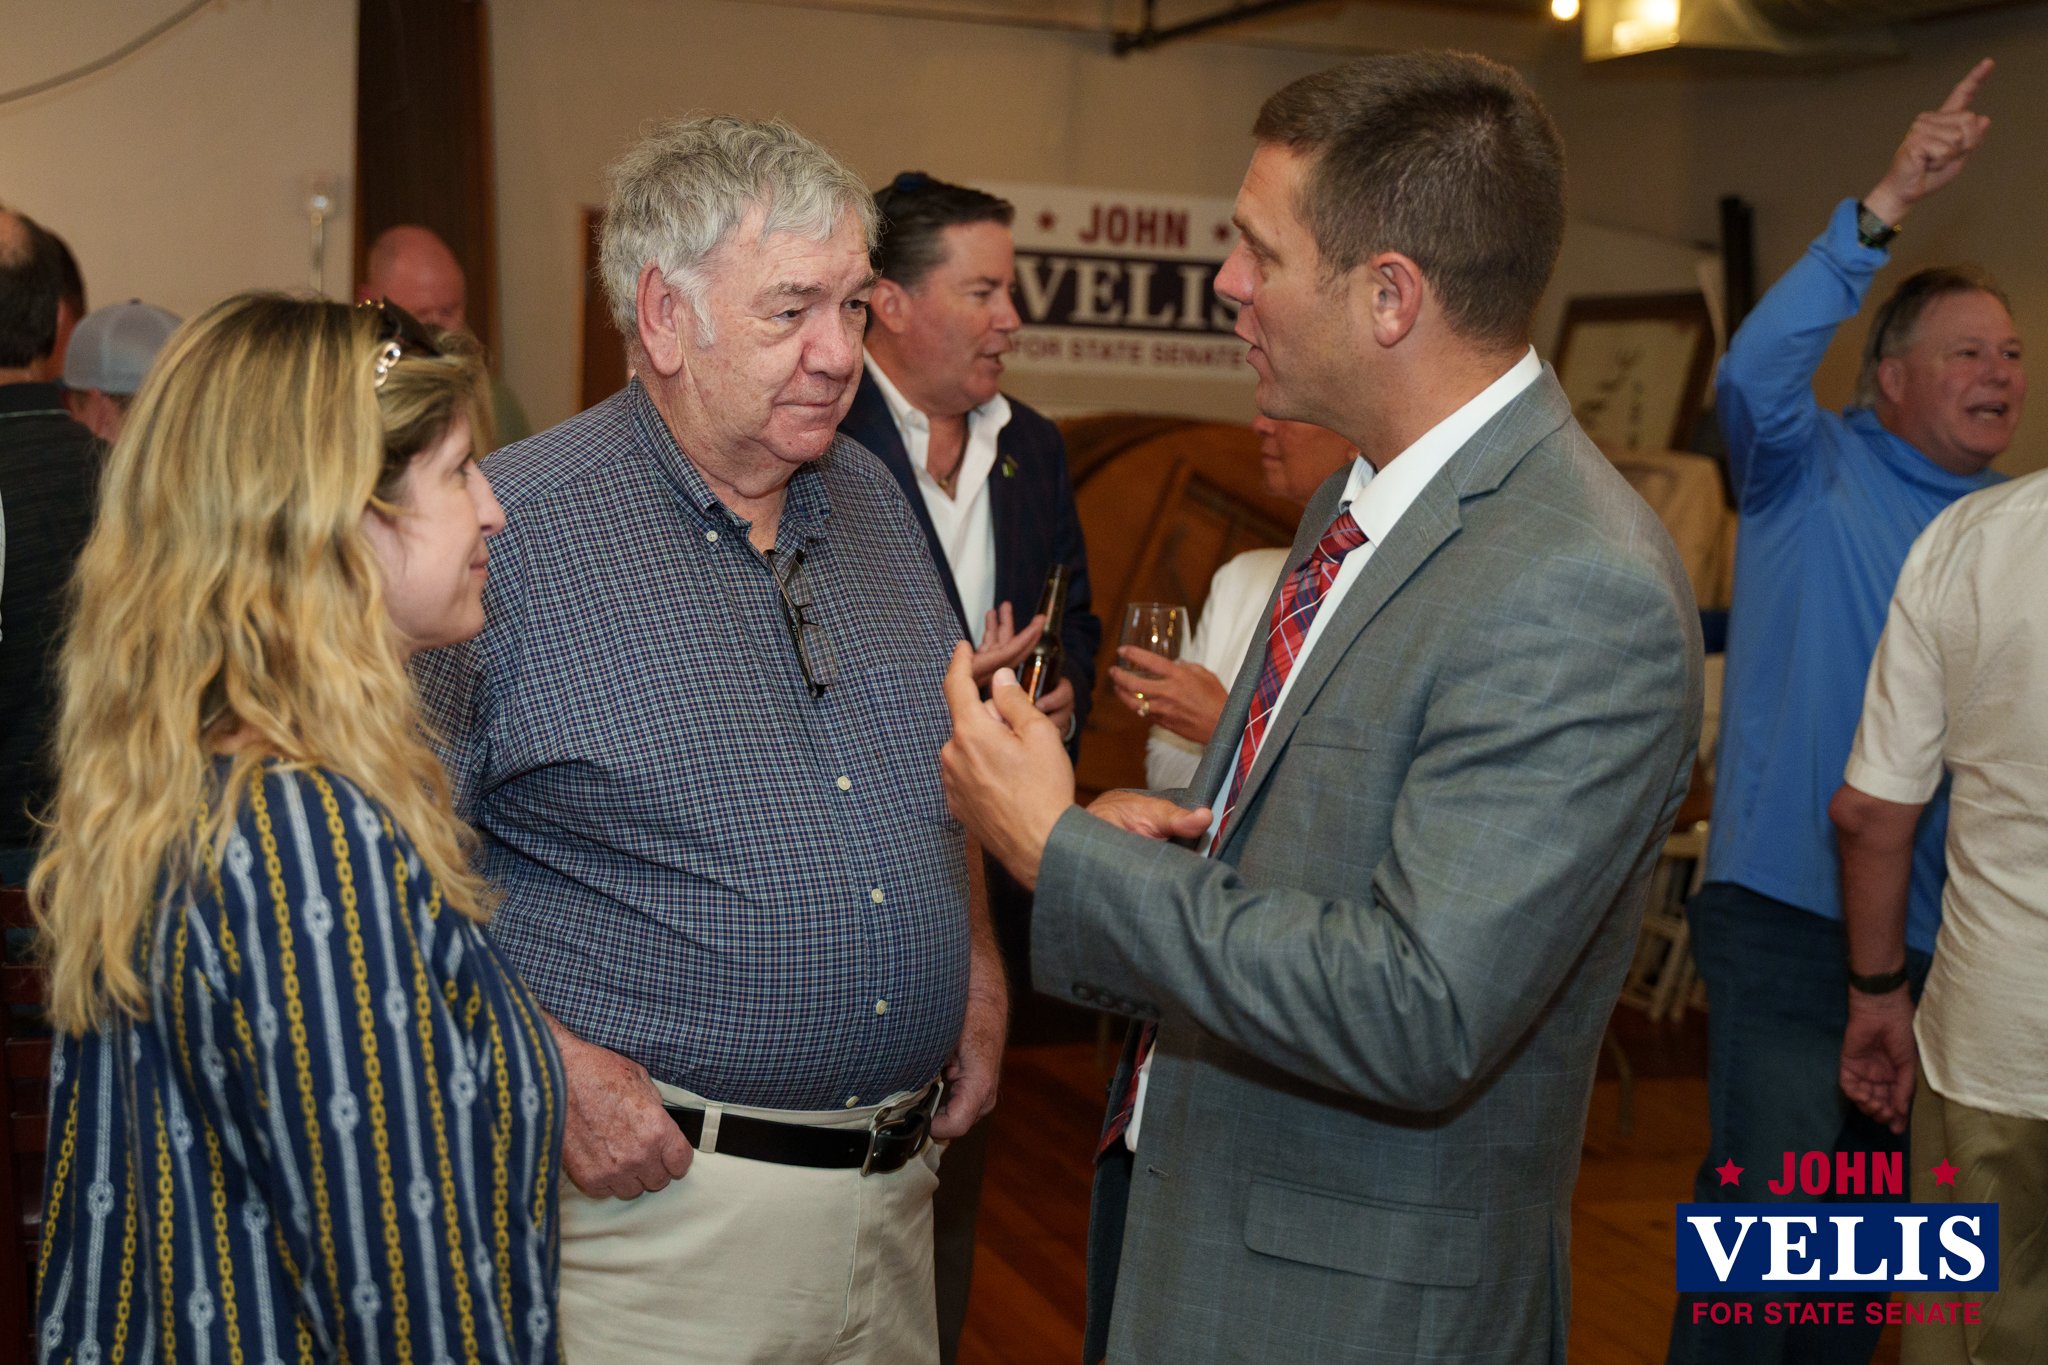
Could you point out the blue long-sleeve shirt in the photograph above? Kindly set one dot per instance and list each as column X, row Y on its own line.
column 1829, row 506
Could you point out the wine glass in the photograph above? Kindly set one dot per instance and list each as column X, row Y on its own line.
column 1158, row 626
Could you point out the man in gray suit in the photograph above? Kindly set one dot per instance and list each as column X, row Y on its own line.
column 1383, row 945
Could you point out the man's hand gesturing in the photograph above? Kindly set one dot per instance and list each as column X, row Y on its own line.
column 1934, row 150
column 1005, row 770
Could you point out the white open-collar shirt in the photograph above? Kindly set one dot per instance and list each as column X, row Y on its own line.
column 964, row 522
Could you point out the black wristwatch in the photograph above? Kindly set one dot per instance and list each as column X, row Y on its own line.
column 1871, row 230
column 1884, row 983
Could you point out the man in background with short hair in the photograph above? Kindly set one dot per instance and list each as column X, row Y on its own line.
column 49, row 470
column 70, row 309
column 110, row 353
column 1830, row 503
column 413, row 267
column 986, row 476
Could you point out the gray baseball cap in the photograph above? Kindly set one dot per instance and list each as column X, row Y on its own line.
column 111, row 347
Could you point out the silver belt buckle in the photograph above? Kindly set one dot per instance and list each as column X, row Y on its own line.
column 925, row 1105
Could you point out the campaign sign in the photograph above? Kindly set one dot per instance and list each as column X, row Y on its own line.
column 1123, row 282
column 1866, row 1248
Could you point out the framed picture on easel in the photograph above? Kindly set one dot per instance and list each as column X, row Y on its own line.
column 1635, row 367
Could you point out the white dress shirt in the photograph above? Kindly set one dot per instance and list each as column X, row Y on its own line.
column 964, row 523
column 1377, row 500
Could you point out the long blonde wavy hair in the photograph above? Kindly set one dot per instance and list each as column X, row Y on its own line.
column 229, row 603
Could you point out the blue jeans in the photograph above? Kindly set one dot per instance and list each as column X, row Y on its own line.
column 1777, row 1000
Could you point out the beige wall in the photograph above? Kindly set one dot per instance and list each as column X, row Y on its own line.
column 176, row 175
column 963, row 101
column 1652, row 147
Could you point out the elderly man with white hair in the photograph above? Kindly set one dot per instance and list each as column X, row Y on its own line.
column 699, row 738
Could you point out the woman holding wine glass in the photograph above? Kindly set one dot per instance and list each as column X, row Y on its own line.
column 1183, row 695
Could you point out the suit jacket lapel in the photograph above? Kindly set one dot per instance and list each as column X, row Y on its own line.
column 1221, row 751
column 1430, row 521
column 1478, row 468
column 870, row 422
column 1003, row 516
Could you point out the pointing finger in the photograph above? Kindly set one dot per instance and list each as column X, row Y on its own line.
column 1966, row 88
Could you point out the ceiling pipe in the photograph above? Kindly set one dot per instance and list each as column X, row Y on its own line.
column 1149, row 36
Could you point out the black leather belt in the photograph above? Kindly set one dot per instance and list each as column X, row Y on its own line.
column 889, row 1143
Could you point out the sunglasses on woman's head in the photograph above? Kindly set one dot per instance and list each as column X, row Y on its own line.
column 399, row 333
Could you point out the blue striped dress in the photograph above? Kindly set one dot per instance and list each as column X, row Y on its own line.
column 338, row 1135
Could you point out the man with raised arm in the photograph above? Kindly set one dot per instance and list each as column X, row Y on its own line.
column 1830, row 503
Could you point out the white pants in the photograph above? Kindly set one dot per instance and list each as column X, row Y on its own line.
column 745, row 1261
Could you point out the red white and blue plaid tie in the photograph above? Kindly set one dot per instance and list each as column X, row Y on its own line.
column 1301, row 596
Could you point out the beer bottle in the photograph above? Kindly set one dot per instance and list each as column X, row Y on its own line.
column 1039, row 673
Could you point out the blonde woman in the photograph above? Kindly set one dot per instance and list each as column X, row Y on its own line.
column 300, row 1110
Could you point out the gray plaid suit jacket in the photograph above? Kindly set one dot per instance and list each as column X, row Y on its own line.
column 1382, row 1001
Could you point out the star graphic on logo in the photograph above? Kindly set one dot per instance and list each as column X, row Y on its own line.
column 1730, row 1173
column 1045, row 220
column 1223, row 232
column 1945, row 1174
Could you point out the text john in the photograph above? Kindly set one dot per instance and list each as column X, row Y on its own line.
column 1841, row 1173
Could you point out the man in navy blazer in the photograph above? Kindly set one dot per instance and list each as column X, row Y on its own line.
column 987, row 479
column 985, row 474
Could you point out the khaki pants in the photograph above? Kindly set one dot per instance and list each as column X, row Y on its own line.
column 2002, row 1160
column 747, row 1261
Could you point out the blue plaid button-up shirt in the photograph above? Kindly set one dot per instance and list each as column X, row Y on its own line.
column 756, row 893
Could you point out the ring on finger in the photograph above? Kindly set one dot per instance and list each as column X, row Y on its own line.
column 1144, row 707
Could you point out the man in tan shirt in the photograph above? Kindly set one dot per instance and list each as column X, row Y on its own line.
column 1957, row 687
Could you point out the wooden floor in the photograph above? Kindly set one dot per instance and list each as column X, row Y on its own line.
column 1028, row 1278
